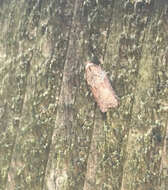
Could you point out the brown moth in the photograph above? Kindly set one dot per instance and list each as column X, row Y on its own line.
column 100, row 87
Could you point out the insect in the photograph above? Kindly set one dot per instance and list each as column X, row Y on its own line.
column 100, row 86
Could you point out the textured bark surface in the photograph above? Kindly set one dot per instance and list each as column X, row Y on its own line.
column 52, row 133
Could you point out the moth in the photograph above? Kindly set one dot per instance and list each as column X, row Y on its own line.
column 100, row 86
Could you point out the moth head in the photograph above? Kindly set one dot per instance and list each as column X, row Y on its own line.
column 88, row 64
